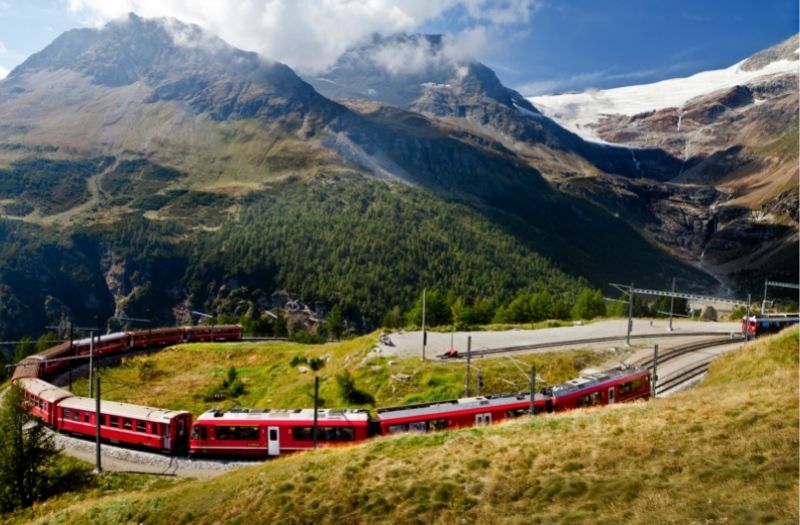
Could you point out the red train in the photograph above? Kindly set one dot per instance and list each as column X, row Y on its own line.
column 57, row 358
column 768, row 323
column 262, row 433
column 251, row 432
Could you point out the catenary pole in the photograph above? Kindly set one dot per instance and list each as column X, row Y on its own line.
column 99, row 467
column 672, row 304
column 533, row 387
column 424, row 333
column 630, row 316
column 655, row 372
column 469, row 359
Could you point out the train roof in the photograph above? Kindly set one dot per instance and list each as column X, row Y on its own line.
column 43, row 389
column 594, row 379
column 467, row 403
column 113, row 408
column 787, row 316
column 103, row 338
column 300, row 415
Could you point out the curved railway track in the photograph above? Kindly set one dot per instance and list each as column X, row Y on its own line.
column 574, row 342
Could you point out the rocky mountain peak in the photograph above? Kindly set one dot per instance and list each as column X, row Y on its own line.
column 176, row 61
column 786, row 50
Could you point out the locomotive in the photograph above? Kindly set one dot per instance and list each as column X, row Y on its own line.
column 254, row 433
column 768, row 323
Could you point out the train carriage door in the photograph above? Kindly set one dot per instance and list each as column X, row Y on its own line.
column 166, row 438
column 273, row 441
column 611, row 396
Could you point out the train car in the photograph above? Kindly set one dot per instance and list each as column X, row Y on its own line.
column 41, row 398
column 44, row 363
column 458, row 413
column 134, row 425
column 221, row 332
column 616, row 385
column 261, row 433
column 157, row 337
column 103, row 345
column 768, row 323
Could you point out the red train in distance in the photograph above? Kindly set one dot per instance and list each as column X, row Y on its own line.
column 458, row 413
column 768, row 323
column 55, row 359
column 261, row 433
column 627, row 383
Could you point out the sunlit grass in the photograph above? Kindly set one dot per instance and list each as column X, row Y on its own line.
column 178, row 378
column 726, row 452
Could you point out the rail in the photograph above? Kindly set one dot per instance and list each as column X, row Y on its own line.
column 554, row 344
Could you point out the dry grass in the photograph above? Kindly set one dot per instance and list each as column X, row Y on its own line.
column 726, row 452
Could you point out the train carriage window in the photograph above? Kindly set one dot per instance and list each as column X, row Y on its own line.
column 636, row 384
column 199, row 432
column 127, row 424
column 324, row 434
column 438, row 424
column 418, row 426
column 87, row 418
column 141, row 426
column 76, row 415
column 113, row 421
column 393, row 429
column 67, row 413
column 237, row 432
column 589, row 399
column 624, row 388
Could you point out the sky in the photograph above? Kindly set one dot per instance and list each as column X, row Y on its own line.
column 535, row 46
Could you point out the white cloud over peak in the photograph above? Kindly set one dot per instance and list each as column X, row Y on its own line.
column 3, row 72
column 310, row 35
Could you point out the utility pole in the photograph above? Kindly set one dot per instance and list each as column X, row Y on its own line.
column 91, row 364
column 479, row 382
column 747, row 319
column 655, row 372
column 99, row 467
column 424, row 333
column 764, row 302
column 533, row 386
column 71, row 354
column 671, row 304
column 316, row 403
column 469, row 358
column 630, row 316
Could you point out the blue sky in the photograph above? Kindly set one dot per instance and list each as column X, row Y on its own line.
column 535, row 46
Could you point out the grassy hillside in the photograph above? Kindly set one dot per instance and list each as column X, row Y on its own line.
column 179, row 378
column 726, row 452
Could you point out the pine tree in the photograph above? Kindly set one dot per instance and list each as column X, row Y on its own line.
column 26, row 452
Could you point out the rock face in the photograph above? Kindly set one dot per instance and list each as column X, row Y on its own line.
column 739, row 141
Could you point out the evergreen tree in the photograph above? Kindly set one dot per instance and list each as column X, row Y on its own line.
column 335, row 322
column 589, row 305
column 26, row 452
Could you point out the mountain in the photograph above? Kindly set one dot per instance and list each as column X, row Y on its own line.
column 174, row 172
column 427, row 74
column 735, row 131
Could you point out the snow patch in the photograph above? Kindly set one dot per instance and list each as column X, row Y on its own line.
column 579, row 112
column 527, row 112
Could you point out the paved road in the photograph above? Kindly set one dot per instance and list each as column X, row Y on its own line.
column 409, row 344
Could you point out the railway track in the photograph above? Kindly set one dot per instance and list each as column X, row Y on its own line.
column 537, row 346
column 676, row 352
column 682, row 376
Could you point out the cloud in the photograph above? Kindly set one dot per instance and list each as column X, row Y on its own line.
column 310, row 35
column 3, row 72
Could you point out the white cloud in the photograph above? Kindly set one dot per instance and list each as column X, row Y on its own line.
column 310, row 35
column 3, row 72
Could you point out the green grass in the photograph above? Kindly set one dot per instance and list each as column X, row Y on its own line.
column 177, row 378
column 726, row 452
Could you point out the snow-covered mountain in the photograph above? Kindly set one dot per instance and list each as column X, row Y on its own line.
column 582, row 112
